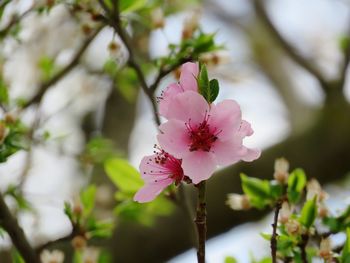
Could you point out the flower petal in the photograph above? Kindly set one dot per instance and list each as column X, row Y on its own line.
column 174, row 138
column 168, row 94
column 187, row 106
column 251, row 155
column 225, row 117
column 198, row 165
column 245, row 129
column 150, row 191
column 189, row 73
column 228, row 152
column 148, row 168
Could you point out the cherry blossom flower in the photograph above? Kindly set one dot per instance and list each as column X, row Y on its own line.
column 55, row 256
column 158, row 171
column 204, row 135
column 188, row 81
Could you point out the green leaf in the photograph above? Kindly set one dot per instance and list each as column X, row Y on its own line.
column 309, row 213
column 47, row 67
column 344, row 43
column 214, row 89
column 230, row 259
column 257, row 190
column 68, row 210
column 123, row 175
column 127, row 6
column 16, row 257
column 88, row 199
column 4, row 97
column 296, row 184
column 203, row 82
column 345, row 255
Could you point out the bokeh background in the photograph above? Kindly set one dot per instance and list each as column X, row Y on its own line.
column 284, row 61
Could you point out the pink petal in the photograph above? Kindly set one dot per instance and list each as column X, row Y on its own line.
column 198, row 165
column 232, row 151
column 150, row 191
column 187, row 106
column 226, row 118
column 189, row 73
column 169, row 93
column 245, row 129
column 147, row 168
column 228, row 152
column 251, row 155
column 174, row 138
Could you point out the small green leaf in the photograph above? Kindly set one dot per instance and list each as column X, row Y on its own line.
column 88, row 199
column 127, row 6
column 309, row 213
column 344, row 43
column 123, row 175
column 214, row 89
column 16, row 257
column 68, row 210
column 257, row 190
column 345, row 255
column 203, row 82
column 230, row 259
column 4, row 97
column 296, row 184
column 47, row 67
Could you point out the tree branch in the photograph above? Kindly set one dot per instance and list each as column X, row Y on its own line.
column 273, row 243
column 19, row 240
column 201, row 218
column 46, row 85
column 293, row 54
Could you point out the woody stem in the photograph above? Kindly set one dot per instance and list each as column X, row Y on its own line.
column 200, row 221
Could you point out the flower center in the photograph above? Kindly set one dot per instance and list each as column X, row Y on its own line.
column 202, row 136
column 168, row 165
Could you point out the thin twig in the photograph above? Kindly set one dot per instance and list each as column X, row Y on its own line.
column 293, row 54
column 302, row 246
column 273, row 243
column 62, row 73
column 54, row 242
column 201, row 221
column 15, row 20
column 19, row 240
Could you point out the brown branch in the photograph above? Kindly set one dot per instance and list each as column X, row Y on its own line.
column 19, row 240
column 273, row 243
column 15, row 20
column 302, row 246
column 54, row 242
column 46, row 85
column 201, row 219
column 293, row 54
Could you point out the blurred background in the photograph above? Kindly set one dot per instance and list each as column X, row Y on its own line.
column 284, row 61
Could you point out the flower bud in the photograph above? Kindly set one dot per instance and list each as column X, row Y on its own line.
column 79, row 242
column 90, row 255
column 326, row 249
column 157, row 17
column 285, row 213
column 323, row 211
column 314, row 188
column 55, row 256
column 191, row 24
column 281, row 170
column 238, row 202
column 293, row 227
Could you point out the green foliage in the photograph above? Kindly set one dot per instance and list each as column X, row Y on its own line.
column 338, row 223
column 309, row 213
column 128, row 181
column 209, row 89
column 16, row 257
column 87, row 198
column 345, row 254
column 230, row 259
column 4, row 97
column 47, row 67
column 17, row 195
column 127, row 6
column 257, row 190
column 98, row 150
column 296, row 184
column 125, row 177
column 14, row 138
column 344, row 43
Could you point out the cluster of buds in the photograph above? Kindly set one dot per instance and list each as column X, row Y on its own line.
column 281, row 173
column 238, row 202
column 293, row 227
column 313, row 188
column 285, row 213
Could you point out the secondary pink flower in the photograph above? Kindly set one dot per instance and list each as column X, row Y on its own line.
column 188, row 81
column 204, row 135
column 158, row 171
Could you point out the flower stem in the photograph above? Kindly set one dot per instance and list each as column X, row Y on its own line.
column 273, row 243
column 302, row 246
column 201, row 221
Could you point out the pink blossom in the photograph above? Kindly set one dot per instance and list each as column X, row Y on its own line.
column 204, row 135
column 188, row 81
column 158, row 171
